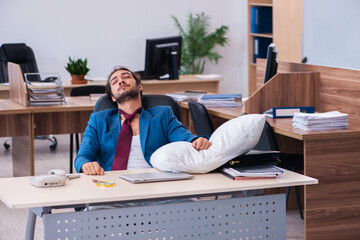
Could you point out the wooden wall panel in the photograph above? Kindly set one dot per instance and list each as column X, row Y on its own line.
column 336, row 196
column 61, row 122
column 285, row 90
column 17, row 86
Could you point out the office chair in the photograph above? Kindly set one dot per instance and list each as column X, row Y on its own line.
column 200, row 117
column 292, row 162
column 81, row 91
column 148, row 101
column 23, row 55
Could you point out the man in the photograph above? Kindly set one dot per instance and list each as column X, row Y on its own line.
column 103, row 150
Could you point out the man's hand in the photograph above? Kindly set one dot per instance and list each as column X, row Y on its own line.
column 201, row 144
column 92, row 168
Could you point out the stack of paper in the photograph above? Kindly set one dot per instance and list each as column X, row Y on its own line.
column 252, row 172
column 221, row 100
column 187, row 95
column 44, row 89
column 320, row 121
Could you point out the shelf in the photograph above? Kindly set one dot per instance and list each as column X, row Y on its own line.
column 260, row 5
column 264, row 3
column 266, row 35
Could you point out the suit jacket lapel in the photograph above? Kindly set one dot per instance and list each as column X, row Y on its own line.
column 115, row 126
column 144, row 123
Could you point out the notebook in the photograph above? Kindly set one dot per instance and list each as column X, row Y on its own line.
column 155, row 177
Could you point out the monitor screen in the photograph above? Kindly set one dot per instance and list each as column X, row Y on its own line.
column 271, row 62
column 162, row 58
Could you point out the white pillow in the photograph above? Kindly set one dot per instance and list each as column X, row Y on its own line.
column 231, row 139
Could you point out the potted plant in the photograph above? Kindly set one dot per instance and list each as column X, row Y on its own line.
column 77, row 69
column 198, row 43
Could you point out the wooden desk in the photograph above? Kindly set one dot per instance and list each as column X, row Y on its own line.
column 186, row 82
column 332, row 157
column 23, row 123
column 230, row 218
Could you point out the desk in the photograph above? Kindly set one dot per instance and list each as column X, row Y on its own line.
column 246, row 217
column 23, row 123
column 332, row 157
column 186, row 82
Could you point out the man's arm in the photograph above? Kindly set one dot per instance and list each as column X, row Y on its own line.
column 178, row 132
column 88, row 149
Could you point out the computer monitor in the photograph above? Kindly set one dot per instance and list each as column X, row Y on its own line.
column 271, row 62
column 162, row 59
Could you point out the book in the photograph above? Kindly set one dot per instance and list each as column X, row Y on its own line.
column 252, row 172
column 287, row 112
column 221, row 100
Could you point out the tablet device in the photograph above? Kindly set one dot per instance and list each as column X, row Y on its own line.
column 155, row 177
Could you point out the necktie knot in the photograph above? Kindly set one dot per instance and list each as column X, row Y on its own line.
column 130, row 116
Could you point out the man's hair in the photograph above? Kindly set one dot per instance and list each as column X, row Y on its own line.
column 118, row 68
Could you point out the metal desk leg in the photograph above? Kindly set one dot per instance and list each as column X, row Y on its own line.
column 30, row 225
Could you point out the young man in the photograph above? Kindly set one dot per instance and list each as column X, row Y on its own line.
column 126, row 137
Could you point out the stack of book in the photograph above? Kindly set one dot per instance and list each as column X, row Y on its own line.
column 44, row 89
column 320, row 121
column 263, row 171
column 221, row 100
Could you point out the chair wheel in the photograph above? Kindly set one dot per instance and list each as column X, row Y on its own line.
column 52, row 147
column 6, row 146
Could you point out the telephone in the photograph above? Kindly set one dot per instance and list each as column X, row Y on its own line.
column 55, row 178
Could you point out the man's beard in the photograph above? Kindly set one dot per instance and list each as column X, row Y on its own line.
column 127, row 96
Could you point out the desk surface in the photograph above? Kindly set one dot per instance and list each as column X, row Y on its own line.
column 284, row 126
column 83, row 190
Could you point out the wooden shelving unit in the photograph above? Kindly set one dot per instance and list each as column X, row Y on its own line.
column 287, row 20
column 252, row 65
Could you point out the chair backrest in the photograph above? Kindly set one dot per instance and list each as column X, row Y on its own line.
column 148, row 101
column 20, row 54
column 86, row 90
column 201, row 119
column 267, row 140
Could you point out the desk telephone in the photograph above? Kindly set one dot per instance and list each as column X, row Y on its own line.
column 55, row 178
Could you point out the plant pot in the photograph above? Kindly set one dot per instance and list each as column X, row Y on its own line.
column 75, row 79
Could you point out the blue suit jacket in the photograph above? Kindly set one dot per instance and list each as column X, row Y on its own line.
column 158, row 126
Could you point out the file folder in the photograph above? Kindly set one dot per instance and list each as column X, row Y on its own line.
column 287, row 112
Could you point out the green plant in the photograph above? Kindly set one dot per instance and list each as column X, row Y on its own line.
column 198, row 44
column 77, row 66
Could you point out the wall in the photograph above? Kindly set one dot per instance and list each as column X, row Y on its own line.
column 332, row 33
column 113, row 32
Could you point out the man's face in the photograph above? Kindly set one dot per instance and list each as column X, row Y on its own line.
column 123, row 86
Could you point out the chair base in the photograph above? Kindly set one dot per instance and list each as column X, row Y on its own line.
column 51, row 138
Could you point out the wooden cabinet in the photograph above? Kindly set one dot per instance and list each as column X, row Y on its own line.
column 287, row 30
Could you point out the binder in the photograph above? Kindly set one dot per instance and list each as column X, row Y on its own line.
column 260, row 47
column 254, row 157
column 287, row 112
column 261, row 20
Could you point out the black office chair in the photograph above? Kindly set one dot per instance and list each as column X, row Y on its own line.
column 201, row 119
column 148, row 101
column 292, row 162
column 23, row 55
column 81, row 91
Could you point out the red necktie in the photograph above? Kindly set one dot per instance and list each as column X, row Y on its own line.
column 123, row 145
